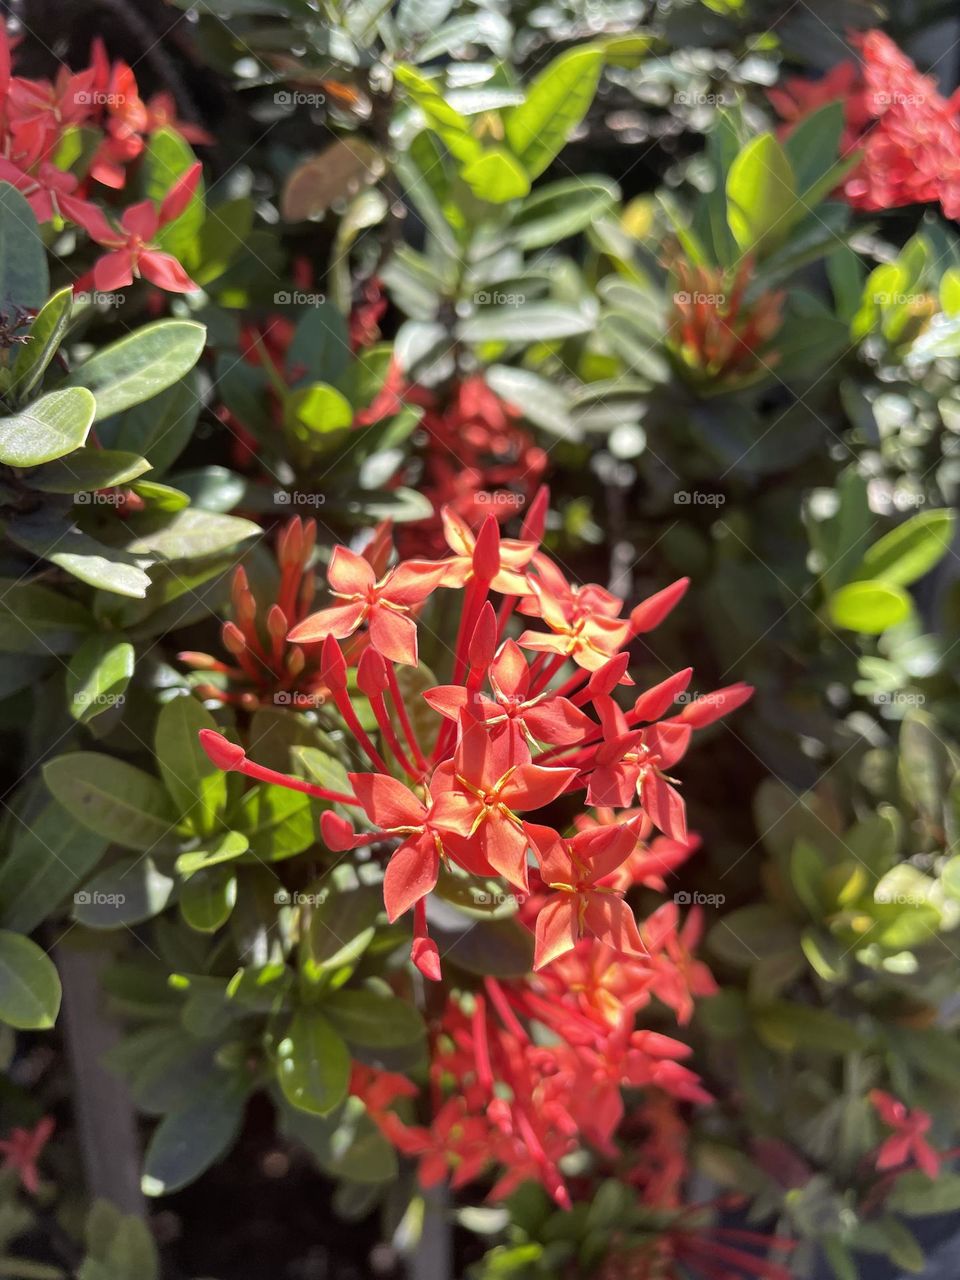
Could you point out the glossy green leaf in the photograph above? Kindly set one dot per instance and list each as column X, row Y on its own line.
column 97, row 676
column 29, row 984
column 230, row 846
column 313, row 1064
column 112, row 798
column 140, row 365
column 910, row 550
column 561, row 209
column 188, row 1141
column 190, row 534
column 196, row 786
column 160, row 428
column 374, row 1021
column 761, row 195
column 556, row 102
column 55, row 424
column 543, row 320
column 88, row 469
column 496, row 176
column 64, row 545
column 208, row 898
column 869, row 607
column 167, row 157
column 24, row 278
column 125, row 893
column 46, row 333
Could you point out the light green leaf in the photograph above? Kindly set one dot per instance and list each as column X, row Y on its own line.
column 313, row 1064
column 52, row 426
column 79, row 554
column 230, row 846
column 29, row 984
column 910, row 550
column 208, row 898
column 761, row 195
column 137, row 367
column 869, row 607
column 527, row 322
column 97, row 676
column 168, row 156
column 556, row 102
column 112, row 798
column 190, row 534
column 496, row 176
column 46, row 334
column 561, row 209
column 88, row 469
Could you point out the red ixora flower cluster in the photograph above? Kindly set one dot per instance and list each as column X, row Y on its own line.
column 907, row 1145
column 36, row 116
column 526, row 725
column 510, row 742
column 908, row 133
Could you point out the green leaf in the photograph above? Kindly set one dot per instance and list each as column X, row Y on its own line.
column 313, row 1064
column 190, row 534
column 925, row 765
column 376, row 1022
column 790, row 1028
column 918, row 1196
column 54, row 538
column 230, row 846
column 88, row 469
column 52, row 426
column 492, row 948
column 112, row 798
column 807, row 869
column 561, row 209
column 168, row 157
column 556, row 102
column 496, row 176
column 910, row 550
column 340, row 928
column 813, row 146
column 188, row 1141
column 37, row 619
column 278, row 823
column 97, row 676
column 761, row 195
column 317, row 414
column 47, row 857
column 208, row 898
column 869, row 607
column 45, row 335
column 526, row 322
column 159, row 429
column 137, row 367
column 29, row 983
column 752, row 934
column 125, row 893
column 24, row 278
column 196, row 786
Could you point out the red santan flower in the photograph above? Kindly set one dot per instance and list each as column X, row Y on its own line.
column 908, row 133
column 524, row 725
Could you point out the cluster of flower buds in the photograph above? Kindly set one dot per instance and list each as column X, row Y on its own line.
column 717, row 333
column 38, row 116
column 267, row 668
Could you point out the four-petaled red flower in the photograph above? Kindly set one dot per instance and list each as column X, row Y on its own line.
column 22, row 1148
column 907, row 1142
